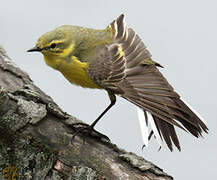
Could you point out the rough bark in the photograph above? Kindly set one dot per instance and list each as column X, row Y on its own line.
column 35, row 139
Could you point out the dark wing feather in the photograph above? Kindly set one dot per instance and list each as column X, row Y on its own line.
column 126, row 68
column 154, row 94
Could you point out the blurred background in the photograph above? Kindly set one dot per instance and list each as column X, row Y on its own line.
column 181, row 35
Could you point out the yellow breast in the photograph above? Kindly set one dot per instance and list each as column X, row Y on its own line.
column 74, row 71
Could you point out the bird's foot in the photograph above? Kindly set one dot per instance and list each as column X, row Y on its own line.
column 86, row 130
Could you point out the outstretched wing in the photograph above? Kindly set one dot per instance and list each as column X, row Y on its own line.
column 126, row 68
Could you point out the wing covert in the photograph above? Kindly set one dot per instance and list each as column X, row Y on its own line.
column 115, row 61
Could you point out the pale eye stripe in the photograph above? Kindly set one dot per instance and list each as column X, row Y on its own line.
column 57, row 42
column 68, row 51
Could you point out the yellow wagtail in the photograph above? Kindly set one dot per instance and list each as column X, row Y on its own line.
column 116, row 60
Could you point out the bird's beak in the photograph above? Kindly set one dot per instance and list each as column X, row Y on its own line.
column 34, row 49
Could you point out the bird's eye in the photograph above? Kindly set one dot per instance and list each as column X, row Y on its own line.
column 53, row 45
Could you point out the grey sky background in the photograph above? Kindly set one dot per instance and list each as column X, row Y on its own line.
column 181, row 35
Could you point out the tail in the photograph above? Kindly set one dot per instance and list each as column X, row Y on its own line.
column 163, row 130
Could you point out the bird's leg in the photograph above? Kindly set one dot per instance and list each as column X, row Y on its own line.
column 113, row 101
column 86, row 129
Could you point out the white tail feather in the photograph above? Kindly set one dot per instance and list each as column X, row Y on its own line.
column 154, row 128
column 143, row 126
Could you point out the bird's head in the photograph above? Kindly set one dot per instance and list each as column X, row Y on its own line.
column 56, row 43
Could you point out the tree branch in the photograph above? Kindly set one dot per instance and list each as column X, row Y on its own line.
column 35, row 139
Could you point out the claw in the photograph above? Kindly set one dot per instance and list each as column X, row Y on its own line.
column 86, row 130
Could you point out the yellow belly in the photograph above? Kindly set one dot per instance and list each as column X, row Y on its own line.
column 74, row 71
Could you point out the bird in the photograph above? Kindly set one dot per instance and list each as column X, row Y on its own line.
column 116, row 60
